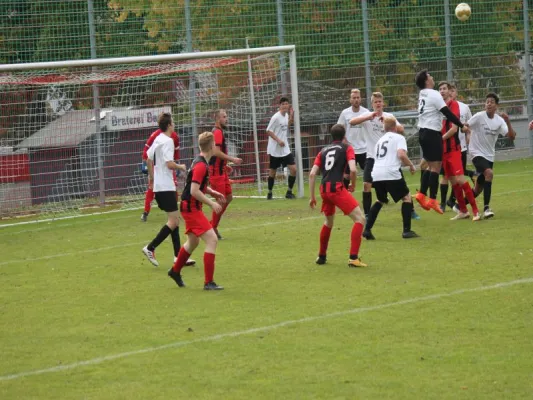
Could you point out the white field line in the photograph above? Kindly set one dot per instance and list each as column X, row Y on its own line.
column 118, row 246
column 283, row 324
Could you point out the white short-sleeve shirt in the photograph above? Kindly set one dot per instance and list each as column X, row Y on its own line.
column 465, row 115
column 429, row 104
column 161, row 151
column 485, row 133
column 354, row 133
column 373, row 131
column 279, row 124
column 387, row 163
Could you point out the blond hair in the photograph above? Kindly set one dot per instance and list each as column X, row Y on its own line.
column 205, row 141
column 376, row 95
column 389, row 124
column 355, row 91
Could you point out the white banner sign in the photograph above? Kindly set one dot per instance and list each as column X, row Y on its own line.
column 134, row 119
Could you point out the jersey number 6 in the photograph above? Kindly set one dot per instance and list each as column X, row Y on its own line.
column 330, row 159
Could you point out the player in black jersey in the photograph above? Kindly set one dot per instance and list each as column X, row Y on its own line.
column 331, row 162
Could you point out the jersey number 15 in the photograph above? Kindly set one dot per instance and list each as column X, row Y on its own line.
column 382, row 150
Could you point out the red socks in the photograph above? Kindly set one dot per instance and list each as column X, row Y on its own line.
column 355, row 242
column 209, row 266
column 470, row 197
column 148, row 198
column 325, row 232
column 183, row 256
column 458, row 192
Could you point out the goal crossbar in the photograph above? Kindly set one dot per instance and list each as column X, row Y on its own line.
column 98, row 62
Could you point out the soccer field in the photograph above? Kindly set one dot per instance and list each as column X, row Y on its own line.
column 445, row 316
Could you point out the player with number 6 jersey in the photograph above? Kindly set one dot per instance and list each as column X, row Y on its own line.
column 332, row 162
column 391, row 154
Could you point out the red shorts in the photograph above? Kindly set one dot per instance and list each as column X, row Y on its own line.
column 342, row 199
column 221, row 184
column 196, row 222
column 452, row 164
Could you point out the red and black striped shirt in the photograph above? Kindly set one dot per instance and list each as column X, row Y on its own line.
column 217, row 166
column 453, row 143
column 199, row 174
column 333, row 160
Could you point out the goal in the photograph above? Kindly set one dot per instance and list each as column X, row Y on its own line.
column 72, row 133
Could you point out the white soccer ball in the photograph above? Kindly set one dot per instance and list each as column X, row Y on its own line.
column 463, row 12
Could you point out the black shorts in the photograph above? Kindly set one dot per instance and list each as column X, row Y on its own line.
column 482, row 164
column 167, row 201
column 431, row 144
column 397, row 188
column 463, row 159
column 369, row 166
column 276, row 162
column 360, row 159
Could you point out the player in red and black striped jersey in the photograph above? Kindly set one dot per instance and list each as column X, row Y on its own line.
column 331, row 162
column 219, row 169
column 149, row 195
column 452, row 163
column 196, row 224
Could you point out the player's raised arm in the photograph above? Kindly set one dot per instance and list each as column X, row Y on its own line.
column 362, row 118
column 511, row 134
column 450, row 116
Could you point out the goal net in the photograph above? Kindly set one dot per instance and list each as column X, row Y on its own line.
column 72, row 133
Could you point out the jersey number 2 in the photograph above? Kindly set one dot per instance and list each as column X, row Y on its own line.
column 421, row 106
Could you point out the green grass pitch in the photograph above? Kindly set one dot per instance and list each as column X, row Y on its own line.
column 446, row 316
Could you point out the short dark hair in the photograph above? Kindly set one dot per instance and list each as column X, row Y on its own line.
column 283, row 99
column 164, row 120
column 494, row 96
column 338, row 132
column 442, row 83
column 421, row 78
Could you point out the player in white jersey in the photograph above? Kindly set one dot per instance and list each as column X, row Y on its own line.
column 371, row 124
column 278, row 147
column 390, row 155
column 353, row 132
column 486, row 127
column 431, row 108
column 161, row 165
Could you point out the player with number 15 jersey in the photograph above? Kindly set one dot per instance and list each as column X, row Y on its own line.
column 332, row 162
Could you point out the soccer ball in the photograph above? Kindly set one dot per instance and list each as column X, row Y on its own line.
column 463, row 12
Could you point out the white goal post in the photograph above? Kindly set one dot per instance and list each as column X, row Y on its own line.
column 72, row 132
